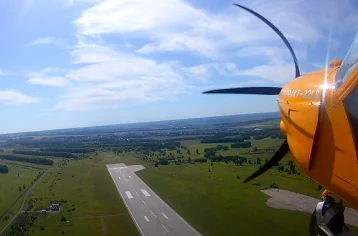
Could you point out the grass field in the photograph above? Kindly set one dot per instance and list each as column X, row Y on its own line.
column 89, row 201
column 218, row 203
column 18, row 176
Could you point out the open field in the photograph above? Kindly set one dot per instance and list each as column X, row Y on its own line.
column 20, row 176
column 217, row 203
column 209, row 195
column 89, row 201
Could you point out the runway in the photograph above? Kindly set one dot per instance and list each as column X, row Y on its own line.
column 152, row 216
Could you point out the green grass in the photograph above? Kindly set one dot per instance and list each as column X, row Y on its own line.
column 270, row 123
column 192, row 145
column 10, row 183
column 217, row 203
column 86, row 186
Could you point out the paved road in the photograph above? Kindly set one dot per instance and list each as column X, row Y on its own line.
column 150, row 213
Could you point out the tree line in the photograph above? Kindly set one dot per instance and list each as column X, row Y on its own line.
column 4, row 169
column 45, row 153
column 221, row 139
column 68, row 150
column 34, row 160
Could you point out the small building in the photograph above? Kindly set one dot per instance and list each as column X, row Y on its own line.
column 55, row 207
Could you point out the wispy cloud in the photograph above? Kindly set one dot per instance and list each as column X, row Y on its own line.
column 47, row 77
column 1, row 72
column 11, row 97
column 105, row 76
column 49, row 41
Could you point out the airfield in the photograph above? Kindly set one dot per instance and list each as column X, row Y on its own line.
column 186, row 178
column 151, row 214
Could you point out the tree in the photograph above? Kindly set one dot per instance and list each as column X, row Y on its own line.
column 254, row 149
column 63, row 219
column 281, row 169
column 266, row 161
column 258, row 161
column 250, row 162
column 188, row 152
column 4, row 169
column 18, row 174
column 189, row 159
column 20, row 189
column 23, row 186
column 197, row 151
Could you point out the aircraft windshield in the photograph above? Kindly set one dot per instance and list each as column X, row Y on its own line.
column 349, row 63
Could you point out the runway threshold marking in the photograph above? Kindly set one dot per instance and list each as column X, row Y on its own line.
column 129, row 195
column 146, row 218
column 145, row 192
column 165, row 216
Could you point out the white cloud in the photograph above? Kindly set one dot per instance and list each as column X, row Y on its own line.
column 106, row 76
column 49, row 41
column 10, row 97
column 278, row 72
column 173, row 25
column 49, row 81
column 45, row 78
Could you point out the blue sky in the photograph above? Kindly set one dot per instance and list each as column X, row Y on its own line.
column 92, row 62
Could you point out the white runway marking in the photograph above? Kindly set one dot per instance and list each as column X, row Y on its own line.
column 119, row 177
column 165, row 216
column 152, row 213
column 129, row 176
column 146, row 218
column 164, row 228
column 129, row 195
column 144, row 202
column 145, row 192
column 137, row 193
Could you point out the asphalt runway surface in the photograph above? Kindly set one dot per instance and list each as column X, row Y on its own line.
column 152, row 216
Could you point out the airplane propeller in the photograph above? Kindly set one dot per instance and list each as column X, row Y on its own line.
column 284, row 149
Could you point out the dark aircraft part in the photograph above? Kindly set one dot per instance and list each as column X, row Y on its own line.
column 284, row 39
column 328, row 219
column 281, row 152
column 262, row 90
column 248, row 90
column 284, row 149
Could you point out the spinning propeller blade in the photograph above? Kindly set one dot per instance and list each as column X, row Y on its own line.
column 248, row 90
column 284, row 149
column 281, row 152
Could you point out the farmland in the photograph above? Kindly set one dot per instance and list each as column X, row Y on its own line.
column 197, row 166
